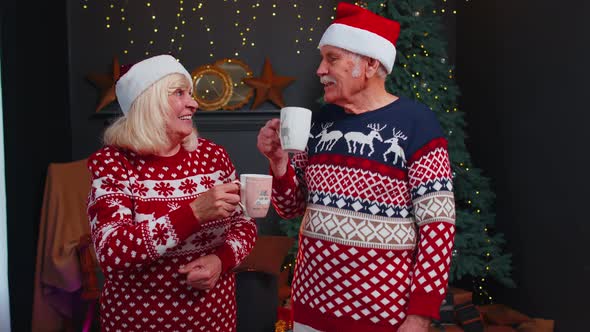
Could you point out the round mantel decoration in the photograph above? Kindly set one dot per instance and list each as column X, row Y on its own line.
column 237, row 71
column 212, row 87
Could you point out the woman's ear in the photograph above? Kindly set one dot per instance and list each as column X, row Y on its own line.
column 372, row 67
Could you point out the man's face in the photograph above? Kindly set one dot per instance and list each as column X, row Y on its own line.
column 338, row 75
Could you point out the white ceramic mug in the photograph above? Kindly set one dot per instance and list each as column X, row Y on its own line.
column 295, row 126
column 255, row 194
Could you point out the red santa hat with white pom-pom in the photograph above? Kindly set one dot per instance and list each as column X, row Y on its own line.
column 361, row 31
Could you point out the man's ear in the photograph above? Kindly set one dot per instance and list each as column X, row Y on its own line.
column 372, row 67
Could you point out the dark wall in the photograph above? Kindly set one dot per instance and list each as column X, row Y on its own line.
column 92, row 47
column 523, row 70
column 36, row 128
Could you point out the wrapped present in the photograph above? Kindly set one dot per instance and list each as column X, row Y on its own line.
column 447, row 310
column 469, row 317
column 460, row 296
column 445, row 328
column 458, row 308
column 499, row 328
column 537, row 325
column 499, row 314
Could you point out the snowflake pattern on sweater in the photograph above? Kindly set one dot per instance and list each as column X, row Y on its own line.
column 375, row 191
column 144, row 230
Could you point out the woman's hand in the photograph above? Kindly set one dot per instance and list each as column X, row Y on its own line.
column 216, row 203
column 203, row 273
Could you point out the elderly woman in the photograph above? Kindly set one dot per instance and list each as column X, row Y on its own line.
column 163, row 211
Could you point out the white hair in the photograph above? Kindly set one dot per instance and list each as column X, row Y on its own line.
column 356, row 70
column 381, row 71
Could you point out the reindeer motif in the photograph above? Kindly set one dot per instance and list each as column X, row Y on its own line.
column 354, row 137
column 285, row 135
column 122, row 211
column 310, row 134
column 327, row 139
column 141, row 217
column 395, row 148
column 93, row 222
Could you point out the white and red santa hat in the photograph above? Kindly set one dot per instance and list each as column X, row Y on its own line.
column 142, row 75
column 361, row 31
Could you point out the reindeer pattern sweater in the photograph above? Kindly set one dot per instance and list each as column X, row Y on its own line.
column 143, row 230
column 377, row 232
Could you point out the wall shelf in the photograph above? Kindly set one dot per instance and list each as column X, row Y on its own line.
column 238, row 120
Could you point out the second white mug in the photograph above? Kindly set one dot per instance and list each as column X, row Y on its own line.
column 295, row 126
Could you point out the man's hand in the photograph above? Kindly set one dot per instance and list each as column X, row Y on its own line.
column 415, row 323
column 269, row 144
column 203, row 272
column 216, row 203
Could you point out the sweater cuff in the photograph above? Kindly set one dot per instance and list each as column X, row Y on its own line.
column 226, row 255
column 425, row 305
column 284, row 181
column 184, row 221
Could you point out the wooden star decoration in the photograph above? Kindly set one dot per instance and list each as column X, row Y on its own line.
column 269, row 86
column 106, row 84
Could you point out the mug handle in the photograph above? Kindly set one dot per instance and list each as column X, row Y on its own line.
column 241, row 192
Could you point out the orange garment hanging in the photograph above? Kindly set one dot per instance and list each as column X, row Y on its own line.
column 57, row 269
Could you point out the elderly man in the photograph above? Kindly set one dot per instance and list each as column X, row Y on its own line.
column 374, row 188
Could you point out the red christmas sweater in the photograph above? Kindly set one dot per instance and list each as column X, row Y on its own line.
column 375, row 192
column 143, row 230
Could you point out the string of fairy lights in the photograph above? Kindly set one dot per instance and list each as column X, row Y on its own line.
column 444, row 8
column 193, row 14
column 177, row 39
column 244, row 25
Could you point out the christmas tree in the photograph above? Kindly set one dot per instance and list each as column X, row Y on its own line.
column 422, row 71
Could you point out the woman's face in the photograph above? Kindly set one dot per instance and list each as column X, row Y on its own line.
column 182, row 108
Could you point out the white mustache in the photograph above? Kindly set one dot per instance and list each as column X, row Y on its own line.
column 327, row 79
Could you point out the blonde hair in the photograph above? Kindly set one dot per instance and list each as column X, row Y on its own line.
column 144, row 129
